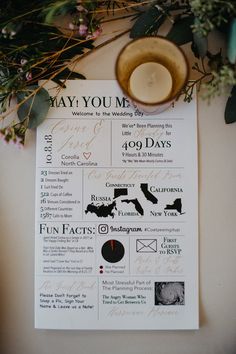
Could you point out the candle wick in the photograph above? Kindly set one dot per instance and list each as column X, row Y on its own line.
column 150, row 82
column 152, row 79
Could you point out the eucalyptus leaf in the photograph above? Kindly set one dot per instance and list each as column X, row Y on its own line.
column 35, row 108
column 200, row 42
column 58, row 8
column 230, row 109
column 181, row 31
column 148, row 22
column 195, row 50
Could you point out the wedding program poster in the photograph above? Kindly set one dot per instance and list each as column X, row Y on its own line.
column 116, row 243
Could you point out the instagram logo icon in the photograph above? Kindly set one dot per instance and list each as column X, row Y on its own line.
column 103, row 229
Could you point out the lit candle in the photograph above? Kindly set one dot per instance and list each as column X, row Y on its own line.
column 150, row 82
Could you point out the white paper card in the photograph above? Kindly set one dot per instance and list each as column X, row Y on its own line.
column 116, row 242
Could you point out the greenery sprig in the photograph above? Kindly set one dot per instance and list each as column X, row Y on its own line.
column 34, row 47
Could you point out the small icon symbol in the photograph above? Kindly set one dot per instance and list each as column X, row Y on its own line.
column 113, row 251
column 87, row 155
column 103, row 229
column 146, row 245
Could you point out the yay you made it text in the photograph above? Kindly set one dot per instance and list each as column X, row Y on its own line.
column 89, row 102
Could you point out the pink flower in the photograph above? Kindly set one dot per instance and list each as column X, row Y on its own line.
column 83, row 30
column 97, row 33
column 28, row 76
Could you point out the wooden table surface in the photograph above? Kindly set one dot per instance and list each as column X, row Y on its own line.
column 217, row 237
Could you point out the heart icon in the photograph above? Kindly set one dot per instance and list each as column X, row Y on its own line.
column 87, row 155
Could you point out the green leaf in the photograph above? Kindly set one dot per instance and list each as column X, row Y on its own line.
column 67, row 74
column 230, row 109
column 59, row 82
column 35, row 108
column 195, row 50
column 231, row 48
column 147, row 23
column 181, row 31
column 4, row 76
column 74, row 75
column 200, row 42
column 57, row 8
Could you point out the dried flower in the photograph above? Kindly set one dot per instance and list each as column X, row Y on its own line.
column 23, row 61
column 10, row 30
column 221, row 80
column 211, row 14
column 28, row 76
column 97, row 33
column 83, row 30
column 13, row 135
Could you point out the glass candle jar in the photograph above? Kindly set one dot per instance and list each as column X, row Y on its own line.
column 151, row 72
